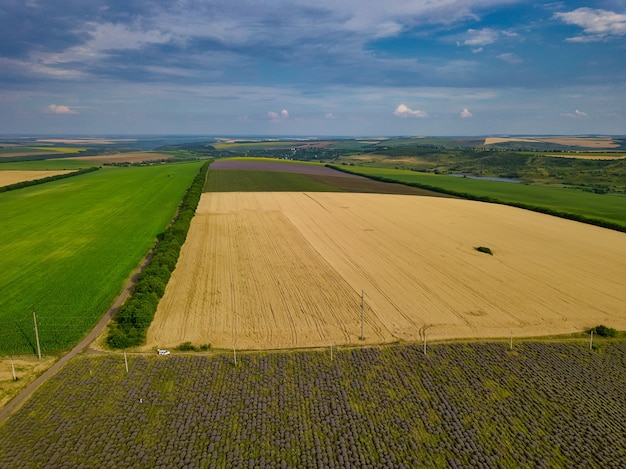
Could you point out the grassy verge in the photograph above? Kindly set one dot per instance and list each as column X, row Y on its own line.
column 68, row 246
column 603, row 210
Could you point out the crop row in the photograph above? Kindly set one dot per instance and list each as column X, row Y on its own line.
column 460, row 405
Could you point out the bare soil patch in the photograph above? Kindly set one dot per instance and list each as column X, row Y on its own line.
column 13, row 177
column 277, row 270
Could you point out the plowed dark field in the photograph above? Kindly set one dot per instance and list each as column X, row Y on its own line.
column 314, row 178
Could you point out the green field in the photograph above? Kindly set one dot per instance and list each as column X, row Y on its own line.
column 607, row 208
column 46, row 165
column 539, row 405
column 226, row 180
column 67, row 247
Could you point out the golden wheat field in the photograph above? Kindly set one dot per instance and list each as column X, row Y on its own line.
column 13, row 177
column 277, row 270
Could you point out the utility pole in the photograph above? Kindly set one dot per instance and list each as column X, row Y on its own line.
column 13, row 369
column 125, row 361
column 362, row 315
column 235, row 355
column 591, row 341
column 37, row 335
column 424, row 341
column 331, row 351
column 511, row 342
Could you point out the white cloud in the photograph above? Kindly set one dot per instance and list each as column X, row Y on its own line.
column 575, row 115
column 278, row 116
column 598, row 25
column 404, row 111
column 60, row 109
column 330, row 115
column 510, row 58
column 481, row 37
column 465, row 114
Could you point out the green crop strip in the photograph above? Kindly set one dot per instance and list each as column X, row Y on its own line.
column 68, row 246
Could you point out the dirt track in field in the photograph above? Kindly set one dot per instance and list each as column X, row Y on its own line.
column 13, row 177
column 279, row 270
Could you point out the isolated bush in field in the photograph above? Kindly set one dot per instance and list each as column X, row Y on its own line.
column 484, row 249
column 604, row 331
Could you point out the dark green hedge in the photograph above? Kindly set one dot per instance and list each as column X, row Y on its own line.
column 129, row 327
column 20, row 185
column 465, row 195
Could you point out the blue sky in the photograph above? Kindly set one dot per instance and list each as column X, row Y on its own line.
column 296, row 67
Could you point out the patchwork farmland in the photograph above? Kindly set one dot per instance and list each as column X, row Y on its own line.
column 285, row 269
column 281, row 270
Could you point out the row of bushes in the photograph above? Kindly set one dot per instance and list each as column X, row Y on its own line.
column 20, row 185
column 465, row 195
column 131, row 323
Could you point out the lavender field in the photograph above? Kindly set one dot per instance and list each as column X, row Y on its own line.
column 461, row 405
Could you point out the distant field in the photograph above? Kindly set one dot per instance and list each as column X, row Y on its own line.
column 67, row 247
column 263, row 174
column 602, row 207
column 12, row 177
column 278, row 270
column 125, row 157
column 586, row 142
column 589, row 156
column 46, row 165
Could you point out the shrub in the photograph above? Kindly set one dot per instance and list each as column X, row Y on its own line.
column 604, row 331
column 188, row 347
column 484, row 249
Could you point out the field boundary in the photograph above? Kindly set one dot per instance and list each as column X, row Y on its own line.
column 479, row 198
column 35, row 182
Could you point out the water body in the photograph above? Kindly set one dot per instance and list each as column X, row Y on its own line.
column 487, row 178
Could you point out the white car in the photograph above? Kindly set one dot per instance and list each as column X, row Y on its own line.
column 163, row 352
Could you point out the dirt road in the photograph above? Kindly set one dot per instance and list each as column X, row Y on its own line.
column 25, row 393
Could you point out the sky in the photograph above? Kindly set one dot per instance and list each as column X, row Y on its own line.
column 321, row 68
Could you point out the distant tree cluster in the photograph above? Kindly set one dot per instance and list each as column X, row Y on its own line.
column 135, row 315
